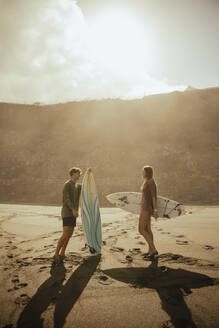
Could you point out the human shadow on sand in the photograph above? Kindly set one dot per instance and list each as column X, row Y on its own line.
column 73, row 289
column 52, row 291
column 170, row 284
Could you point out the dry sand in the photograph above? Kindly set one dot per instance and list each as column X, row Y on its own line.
column 118, row 289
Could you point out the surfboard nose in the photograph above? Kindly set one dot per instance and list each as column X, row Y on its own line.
column 110, row 197
column 113, row 198
column 117, row 199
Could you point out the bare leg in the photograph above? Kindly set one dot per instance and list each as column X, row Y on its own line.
column 69, row 234
column 148, row 228
column 145, row 230
column 64, row 239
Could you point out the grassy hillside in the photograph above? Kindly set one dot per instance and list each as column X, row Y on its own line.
column 176, row 133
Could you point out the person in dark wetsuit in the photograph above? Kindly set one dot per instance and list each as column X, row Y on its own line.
column 69, row 212
column 148, row 208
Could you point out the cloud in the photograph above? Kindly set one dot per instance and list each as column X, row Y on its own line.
column 47, row 55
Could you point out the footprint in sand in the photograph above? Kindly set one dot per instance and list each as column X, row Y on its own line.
column 135, row 250
column 146, row 257
column 77, row 262
column 129, row 258
column 123, row 261
column 182, row 242
column 141, row 243
column 70, row 266
column 163, row 268
column 177, row 258
column 180, row 236
column 104, row 280
column 116, row 249
column 165, row 233
column 24, row 284
column 167, row 324
column 169, row 256
column 25, row 264
column 186, row 291
column 208, row 247
column 23, row 299
column 41, row 258
column 15, row 280
column 190, row 261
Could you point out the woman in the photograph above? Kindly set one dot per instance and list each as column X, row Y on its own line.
column 148, row 209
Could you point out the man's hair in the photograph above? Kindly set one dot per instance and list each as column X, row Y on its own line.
column 149, row 171
column 74, row 170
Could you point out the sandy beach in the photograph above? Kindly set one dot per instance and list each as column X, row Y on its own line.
column 117, row 289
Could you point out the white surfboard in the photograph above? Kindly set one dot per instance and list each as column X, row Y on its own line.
column 90, row 213
column 130, row 202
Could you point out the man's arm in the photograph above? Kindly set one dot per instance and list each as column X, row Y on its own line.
column 67, row 200
column 79, row 194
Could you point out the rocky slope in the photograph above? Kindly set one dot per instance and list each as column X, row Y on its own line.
column 176, row 133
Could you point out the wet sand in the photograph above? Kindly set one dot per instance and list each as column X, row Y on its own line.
column 120, row 288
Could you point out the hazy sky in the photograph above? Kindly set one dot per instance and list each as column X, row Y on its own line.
column 60, row 50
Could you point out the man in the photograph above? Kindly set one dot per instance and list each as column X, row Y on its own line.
column 69, row 213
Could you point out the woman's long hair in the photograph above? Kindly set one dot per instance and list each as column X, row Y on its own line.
column 149, row 173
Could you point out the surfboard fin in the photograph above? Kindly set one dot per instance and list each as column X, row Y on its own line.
column 91, row 249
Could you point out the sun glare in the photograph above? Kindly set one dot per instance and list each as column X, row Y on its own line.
column 121, row 41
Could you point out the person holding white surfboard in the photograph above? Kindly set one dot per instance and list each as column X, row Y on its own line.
column 69, row 213
column 148, row 209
